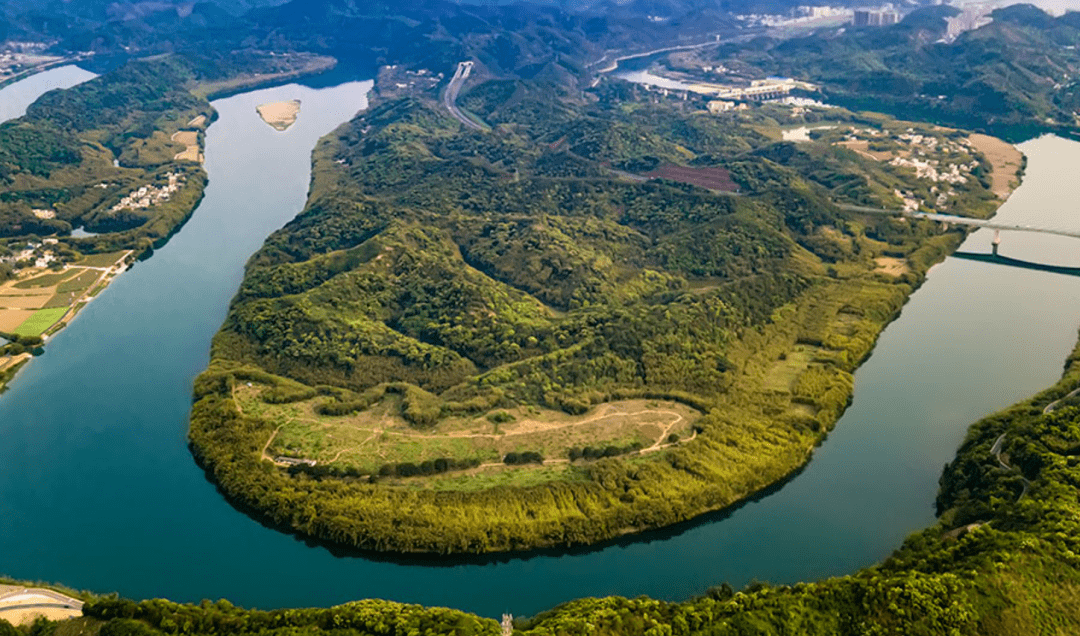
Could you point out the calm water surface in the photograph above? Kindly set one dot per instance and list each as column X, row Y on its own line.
column 14, row 98
column 98, row 489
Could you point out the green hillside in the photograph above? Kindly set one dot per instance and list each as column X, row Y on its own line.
column 474, row 342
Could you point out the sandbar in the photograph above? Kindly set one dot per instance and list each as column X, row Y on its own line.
column 1005, row 159
column 280, row 115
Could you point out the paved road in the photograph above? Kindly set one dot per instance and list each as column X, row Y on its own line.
column 1051, row 407
column 715, row 41
column 451, row 95
column 19, row 599
column 963, row 220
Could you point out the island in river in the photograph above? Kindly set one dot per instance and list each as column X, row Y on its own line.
column 280, row 115
column 131, row 173
column 573, row 329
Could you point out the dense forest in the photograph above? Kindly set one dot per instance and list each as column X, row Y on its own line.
column 1001, row 561
column 453, row 273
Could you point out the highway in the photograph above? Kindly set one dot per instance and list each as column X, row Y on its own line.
column 451, row 95
column 963, row 220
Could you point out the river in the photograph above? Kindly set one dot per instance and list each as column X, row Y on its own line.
column 98, row 490
column 15, row 97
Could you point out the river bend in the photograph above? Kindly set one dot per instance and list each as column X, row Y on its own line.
column 98, row 490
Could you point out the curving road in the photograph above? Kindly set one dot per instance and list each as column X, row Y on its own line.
column 464, row 69
column 15, row 600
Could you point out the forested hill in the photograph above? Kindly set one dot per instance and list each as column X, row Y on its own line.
column 446, row 287
column 1015, row 76
column 78, row 152
column 520, row 39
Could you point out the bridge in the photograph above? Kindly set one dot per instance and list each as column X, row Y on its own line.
column 949, row 219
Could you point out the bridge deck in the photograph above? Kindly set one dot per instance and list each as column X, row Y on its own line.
column 963, row 220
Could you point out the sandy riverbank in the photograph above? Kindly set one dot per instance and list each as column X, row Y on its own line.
column 1005, row 159
column 280, row 115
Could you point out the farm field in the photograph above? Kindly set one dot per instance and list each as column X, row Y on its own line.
column 37, row 300
column 40, row 321
column 713, row 178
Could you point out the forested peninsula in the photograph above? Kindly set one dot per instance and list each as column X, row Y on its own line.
column 1002, row 560
column 589, row 318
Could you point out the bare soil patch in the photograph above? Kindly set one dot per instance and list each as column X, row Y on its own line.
column 378, row 436
column 24, row 301
column 710, row 178
column 27, row 616
column 892, row 266
column 10, row 319
column 191, row 140
column 1005, row 159
column 862, row 147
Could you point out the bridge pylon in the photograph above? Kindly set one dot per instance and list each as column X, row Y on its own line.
column 997, row 241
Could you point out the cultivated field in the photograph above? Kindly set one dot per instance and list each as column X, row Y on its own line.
column 190, row 139
column 39, row 299
column 710, row 178
column 1005, row 159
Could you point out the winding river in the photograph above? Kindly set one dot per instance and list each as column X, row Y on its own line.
column 98, row 490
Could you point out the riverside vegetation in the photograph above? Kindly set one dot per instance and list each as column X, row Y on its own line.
column 1002, row 560
column 446, row 350
column 120, row 156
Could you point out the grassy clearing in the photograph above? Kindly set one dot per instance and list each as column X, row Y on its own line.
column 40, row 321
column 379, row 435
column 101, row 260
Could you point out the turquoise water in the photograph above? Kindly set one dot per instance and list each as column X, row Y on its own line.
column 98, row 490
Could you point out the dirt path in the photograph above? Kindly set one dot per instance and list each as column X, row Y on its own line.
column 529, row 431
column 266, row 446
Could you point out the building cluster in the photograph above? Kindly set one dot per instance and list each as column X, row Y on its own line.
column 19, row 56
column 43, row 213
column 972, row 16
column 932, row 170
column 149, row 195
column 718, row 106
column 805, row 14
column 396, row 80
column 814, row 12
column 38, row 254
column 944, row 162
column 882, row 16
